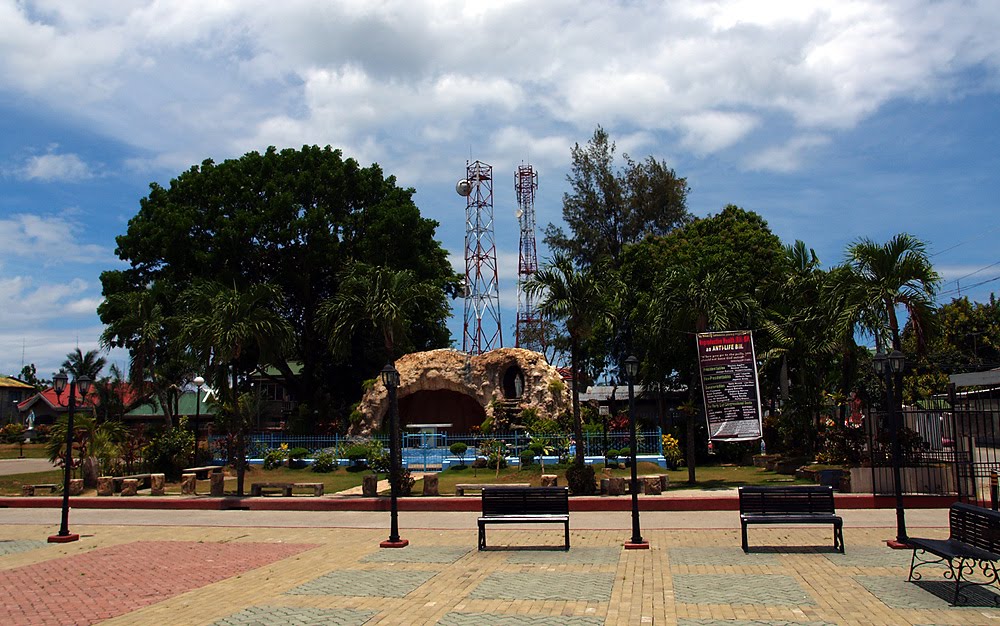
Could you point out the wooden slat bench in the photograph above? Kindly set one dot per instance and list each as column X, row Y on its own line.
column 461, row 488
column 973, row 544
column 284, row 489
column 520, row 505
column 201, row 473
column 790, row 505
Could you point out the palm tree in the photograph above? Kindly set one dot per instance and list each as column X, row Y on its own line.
column 378, row 298
column 694, row 298
column 87, row 364
column 233, row 332
column 575, row 296
column 885, row 277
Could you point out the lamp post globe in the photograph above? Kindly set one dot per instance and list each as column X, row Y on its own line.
column 636, row 542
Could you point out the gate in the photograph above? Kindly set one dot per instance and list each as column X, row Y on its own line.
column 974, row 433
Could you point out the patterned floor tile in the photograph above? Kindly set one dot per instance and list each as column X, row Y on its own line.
column 575, row 556
column 738, row 589
column 744, row 622
column 364, row 583
column 296, row 616
column 719, row 557
column 499, row 619
column 897, row 593
column 869, row 556
column 549, row 586
column 15, row 546
column 420, row 554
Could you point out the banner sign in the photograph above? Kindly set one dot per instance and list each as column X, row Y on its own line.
column 729, row 385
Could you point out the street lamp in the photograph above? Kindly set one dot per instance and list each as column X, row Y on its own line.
column 390, row 378
column 198, row 381
column 636, row 542
column 59, row 384
column 890, row 367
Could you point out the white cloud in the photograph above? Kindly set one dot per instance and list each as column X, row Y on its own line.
column 787, row 157
column 48, row 240
column 711, row 131
column 56, row 168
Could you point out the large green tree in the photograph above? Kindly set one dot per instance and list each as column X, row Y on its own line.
column 574, row 296
column 609, row 207
column 292, row 219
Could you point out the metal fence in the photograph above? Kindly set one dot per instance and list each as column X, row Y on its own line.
column 428, row 450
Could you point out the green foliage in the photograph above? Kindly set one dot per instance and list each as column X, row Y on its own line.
column 12, row 433
column 581, row 480
column 556, row 387
column 356, row 452
column 170, row 451
column 274, row 459
column 528, row 416
column 297, row 453
column 324, row 463
column 546, row 426
column 459, row 449
column 527, row 458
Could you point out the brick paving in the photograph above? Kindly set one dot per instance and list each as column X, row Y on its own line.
column 238, row 576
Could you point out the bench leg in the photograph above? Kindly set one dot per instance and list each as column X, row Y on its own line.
column 746, row 548
column 838, row 538
column 482, row 536
column 567, row 535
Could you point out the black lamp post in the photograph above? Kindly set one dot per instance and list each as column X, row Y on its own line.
column 636, row 542
column 59, row 384
column 390, row 378
column 891, row 368
column 198, row 381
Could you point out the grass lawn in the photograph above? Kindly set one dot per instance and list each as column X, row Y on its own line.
column 10, row 485
column 31, row 451
column 708, row 477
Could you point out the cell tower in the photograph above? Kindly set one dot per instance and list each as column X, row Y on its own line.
column 528, row 331
column 482, row 292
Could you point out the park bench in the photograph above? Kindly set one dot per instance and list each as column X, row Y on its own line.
column 29, row 490
column 201, row 473
column 461, row 488
column 145, row 481
column 284, row 489
column 790, row 505
column 520, row 505
column 973, row 544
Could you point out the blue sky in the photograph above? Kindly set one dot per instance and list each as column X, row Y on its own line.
column 832, row 119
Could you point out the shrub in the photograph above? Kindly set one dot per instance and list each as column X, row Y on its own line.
column 406, row 482
column 12, row 433
column 581, row 480
column 324, row 462
column 613, row 454
column 459, row 449
column 626, row 452
column 546, row 426
column 42, row 432
column 171, row 450
column 527, row 458
column 494, row 459
column 556, row 387
column 274, row 458
column 297, row 453
column 479, row 463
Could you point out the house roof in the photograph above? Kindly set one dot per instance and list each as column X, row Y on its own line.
column 57, row 403
column 187, row 404
column 7, row 381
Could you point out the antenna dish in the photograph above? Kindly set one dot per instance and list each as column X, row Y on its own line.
column 463, row 188
column 518, row 213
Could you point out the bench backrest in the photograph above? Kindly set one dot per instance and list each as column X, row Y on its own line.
column 786, row 500
column 525, row 500
column 975, row 526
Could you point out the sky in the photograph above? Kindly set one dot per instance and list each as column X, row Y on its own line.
column 834, row 120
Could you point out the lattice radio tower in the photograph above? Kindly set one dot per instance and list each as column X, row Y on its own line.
column 528, row 330
column 482, row 293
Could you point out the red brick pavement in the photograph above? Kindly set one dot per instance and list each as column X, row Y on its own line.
column 107, row 582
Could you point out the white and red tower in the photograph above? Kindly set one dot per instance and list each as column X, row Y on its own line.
column 482, row 291
column 528, row 330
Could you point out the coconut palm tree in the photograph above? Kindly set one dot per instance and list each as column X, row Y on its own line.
column 694, row 298
column 576, row 297
column 87, row 364
column 234, row 332
column 885, row 277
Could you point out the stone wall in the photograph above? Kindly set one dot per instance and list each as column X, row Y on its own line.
column 480, row 377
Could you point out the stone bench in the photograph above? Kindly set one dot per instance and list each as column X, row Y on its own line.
column 143, row 481
column 29, row 490
column 284, row 489
column 201, row 473
column 461, row 488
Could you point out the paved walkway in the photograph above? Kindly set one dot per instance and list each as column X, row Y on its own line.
column 233, row 568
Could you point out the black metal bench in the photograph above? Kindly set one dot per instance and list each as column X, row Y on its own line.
column 531, row 505
column 790, row 505
column 973, row 543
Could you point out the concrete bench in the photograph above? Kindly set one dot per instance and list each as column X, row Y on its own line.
column 284, row 489
column 144, row 481
column 461, row 488
column 201, row 473
column 29, row 490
